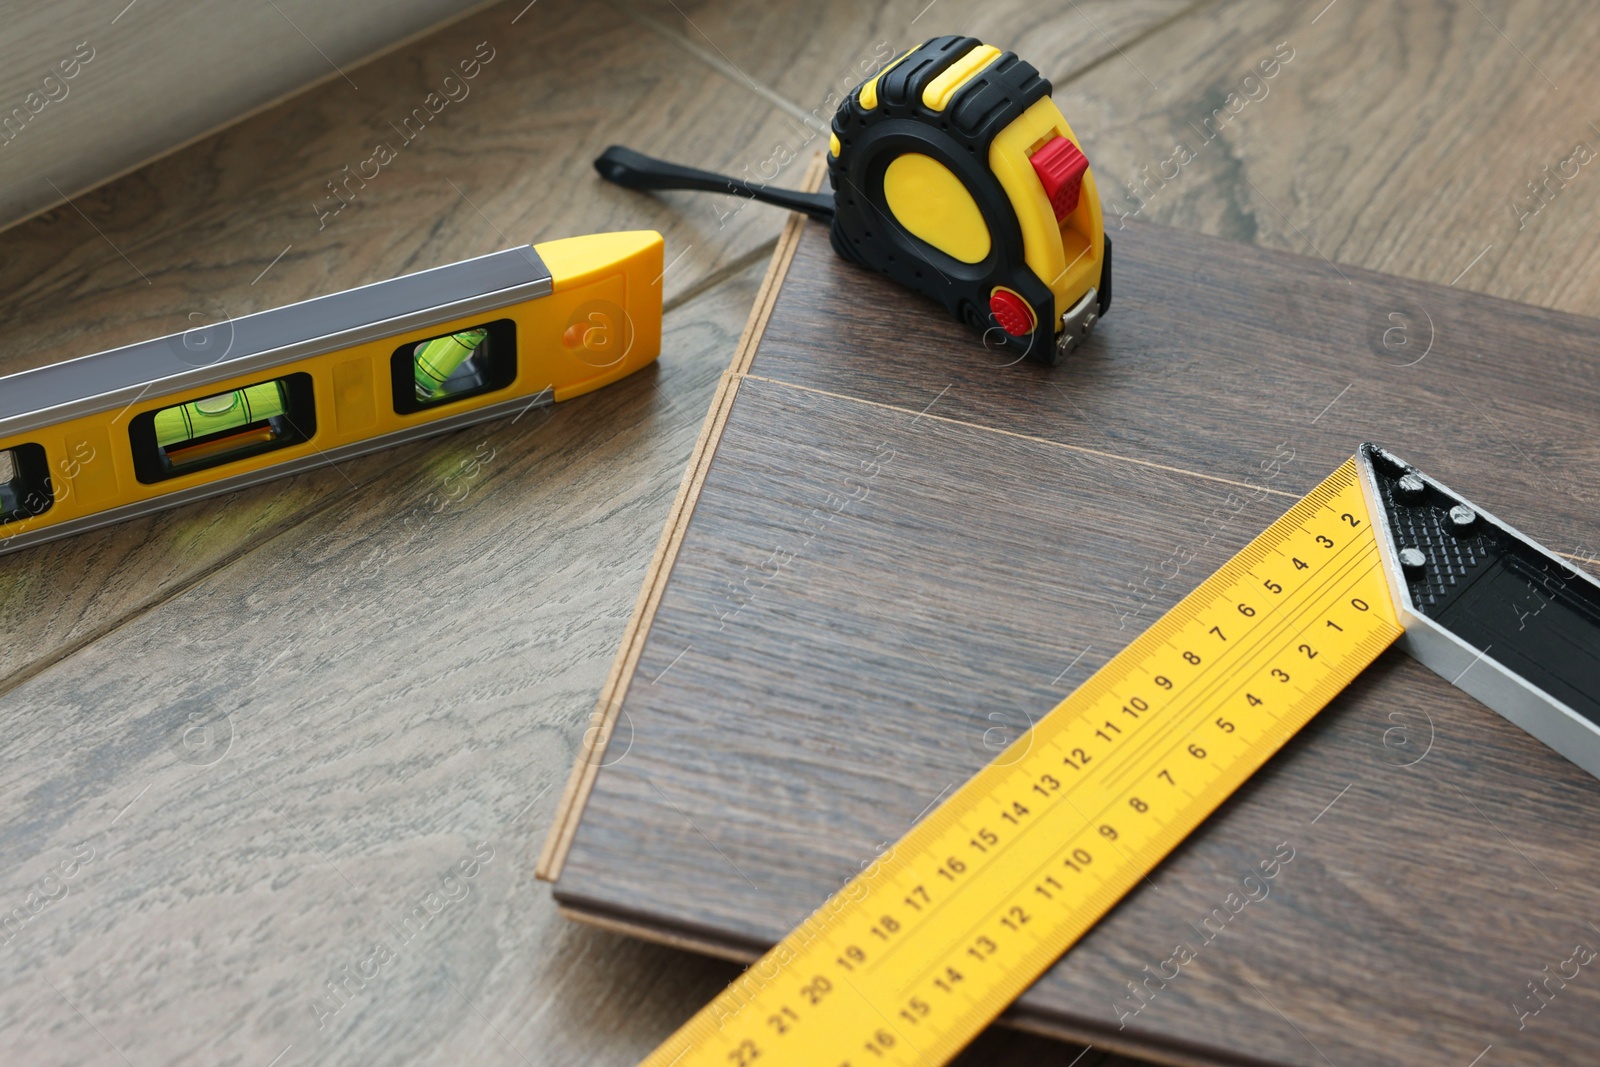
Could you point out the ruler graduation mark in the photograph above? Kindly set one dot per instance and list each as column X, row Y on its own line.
column 1265, row 634
column 916, row 955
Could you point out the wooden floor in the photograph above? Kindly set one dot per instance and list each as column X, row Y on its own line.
column 403, row 685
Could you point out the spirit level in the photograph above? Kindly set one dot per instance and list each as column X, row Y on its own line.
column 125, row 432
column 955, row 174
column 910, row 960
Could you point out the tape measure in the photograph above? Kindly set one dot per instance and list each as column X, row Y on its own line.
column 125, row 432
column 910, row 960
column 956, row 175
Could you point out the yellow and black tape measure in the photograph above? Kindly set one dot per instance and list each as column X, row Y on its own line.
column 910, row 960
column 121, row 433
column 955, row 174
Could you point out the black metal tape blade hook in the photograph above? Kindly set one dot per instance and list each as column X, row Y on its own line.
column 635, row 170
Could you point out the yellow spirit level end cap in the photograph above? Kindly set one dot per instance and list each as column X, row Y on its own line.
column 605, row 306
column 578, row 260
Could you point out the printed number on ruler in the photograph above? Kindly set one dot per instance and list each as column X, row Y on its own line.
column 908, row 962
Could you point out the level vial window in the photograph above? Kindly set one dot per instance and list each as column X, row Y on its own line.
column 444, row 359
column 25, row 489
column 213, row 430
column 453, row 366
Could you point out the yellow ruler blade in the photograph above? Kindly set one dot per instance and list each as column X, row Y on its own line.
column 910, row 960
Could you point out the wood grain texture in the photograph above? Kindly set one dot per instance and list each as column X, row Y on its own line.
column 228, row 226
column 215, row 907
column 267, row 800
column 834, row 646
column 407, row 719
column 263, row 800
column 1216, row 357
column 1367, row 147
column 274, row 723
column 140, row 83
column 1359, row 151
column 604, row 721
column 811, row 55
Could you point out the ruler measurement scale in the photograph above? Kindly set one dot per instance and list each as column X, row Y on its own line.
column 1334, row 570
column 1089, row 824
column 1025, row 857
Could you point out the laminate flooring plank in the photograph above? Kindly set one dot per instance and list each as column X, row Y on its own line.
column 840, row 645
column 850, row 489
column 231, row 225
column 355, row 736
column 1235, row 361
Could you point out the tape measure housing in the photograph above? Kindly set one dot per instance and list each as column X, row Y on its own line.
column 933, row 186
